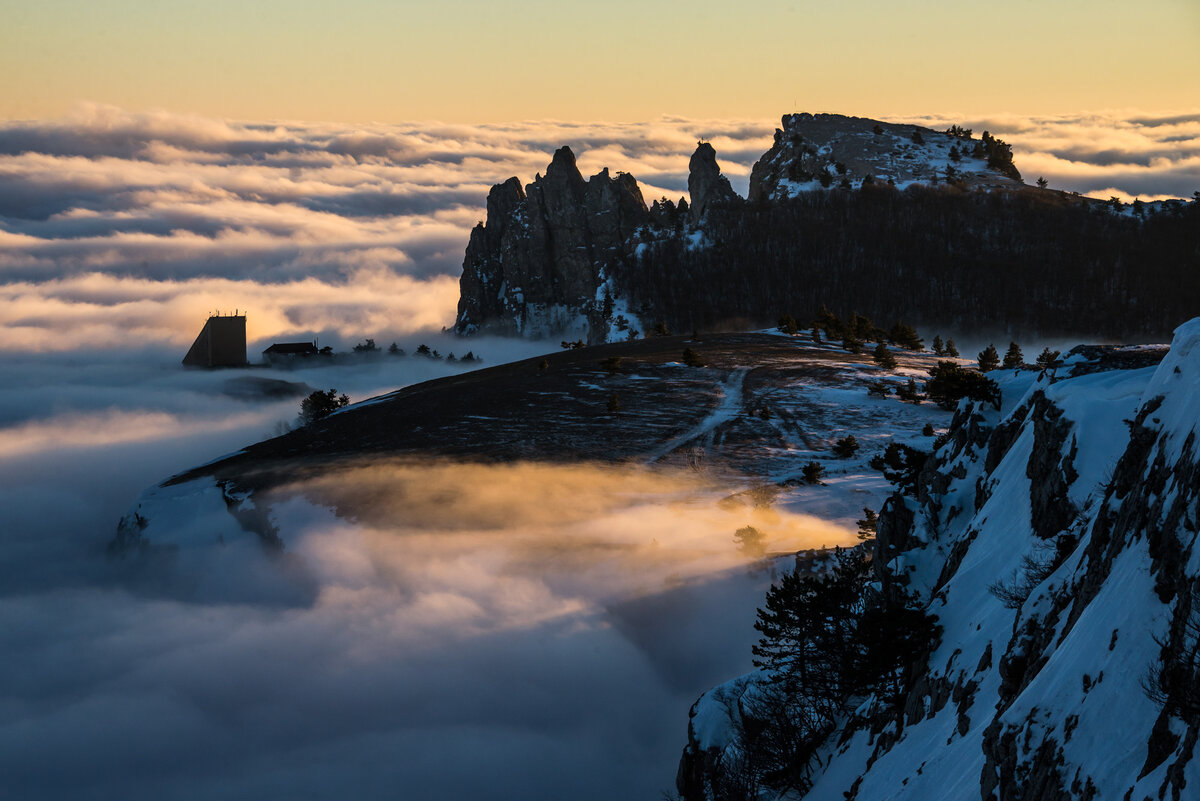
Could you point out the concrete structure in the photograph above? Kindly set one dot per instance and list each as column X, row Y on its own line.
column 221, row 343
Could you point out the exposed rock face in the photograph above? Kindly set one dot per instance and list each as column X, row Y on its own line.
column 891, row 221
column 537, row 265
column 706, row 185
column 1057, row 542
column 823, row 150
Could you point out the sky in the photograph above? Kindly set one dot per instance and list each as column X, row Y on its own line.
column 481, row 61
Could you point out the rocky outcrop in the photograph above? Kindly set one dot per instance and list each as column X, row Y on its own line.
column 539, row 264
column 887, row 220
column 706, row 185
column 814, row 151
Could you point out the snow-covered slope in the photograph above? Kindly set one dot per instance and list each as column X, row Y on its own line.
column 1055, row 541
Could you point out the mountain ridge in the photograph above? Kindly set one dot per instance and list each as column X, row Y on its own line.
column 894, row 221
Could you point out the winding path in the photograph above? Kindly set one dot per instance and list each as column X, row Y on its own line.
column 728, row 408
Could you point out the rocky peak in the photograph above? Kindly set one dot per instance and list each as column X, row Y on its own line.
column 820, row 151
column 539, row 264
column 563, row 167
column 706, row 185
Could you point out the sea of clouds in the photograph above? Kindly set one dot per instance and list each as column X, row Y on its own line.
column 120, row 228
column 555, row 662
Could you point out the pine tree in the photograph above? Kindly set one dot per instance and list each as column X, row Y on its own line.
column 905, row 336
column 1013, row 359
column 883, row 357
column 846, row 447
column 319, row 405
column 1047, row 359
column 909, row 392
column 951, row 349
column 938, row 348
column 812, row 472
column 949, row 383
column 868, row 525
column 989, row 359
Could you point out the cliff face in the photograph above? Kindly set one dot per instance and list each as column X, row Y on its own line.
column 1056, row 544
column 539, row 265
column 896, row 222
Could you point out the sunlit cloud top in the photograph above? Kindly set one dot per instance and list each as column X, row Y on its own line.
column 118, row 226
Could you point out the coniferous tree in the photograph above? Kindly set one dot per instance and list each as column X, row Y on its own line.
column 846, row 447
column 951, row 349
column 989, row 359
column 1013, row 359
column 938, row 348
column 900, row 465
column 909, row 392
column 948, row 383
column 905, row 336
column 883, row 357
column 1047, row 359
column 812, row 472
column 868, row 525
column 319, row 405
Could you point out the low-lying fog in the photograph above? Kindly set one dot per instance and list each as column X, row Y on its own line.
column 440, row 630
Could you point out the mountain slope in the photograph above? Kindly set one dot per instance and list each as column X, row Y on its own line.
column 1055, row 542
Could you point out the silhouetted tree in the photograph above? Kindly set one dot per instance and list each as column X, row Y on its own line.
column 949, row 383
column 1013, row 358
column 868, row 524
column 989, row 359
column 320, row 405
column 909, row 392
column 883, row 357
column 846, row 447
column 1047, row 359
column 900, row 465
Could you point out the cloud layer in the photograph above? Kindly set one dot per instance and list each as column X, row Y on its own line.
column 435, row 657
column 118, row 225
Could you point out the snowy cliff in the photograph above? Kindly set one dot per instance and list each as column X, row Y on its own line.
column 1054, row 540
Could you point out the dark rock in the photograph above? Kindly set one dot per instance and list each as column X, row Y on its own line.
column 706, row 185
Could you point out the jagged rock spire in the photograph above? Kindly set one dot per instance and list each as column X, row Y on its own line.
column 706, row 184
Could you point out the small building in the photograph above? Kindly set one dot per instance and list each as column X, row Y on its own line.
column 221, row 343
column 289, row 351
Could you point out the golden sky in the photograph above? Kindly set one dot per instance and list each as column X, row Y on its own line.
column 470, row 60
